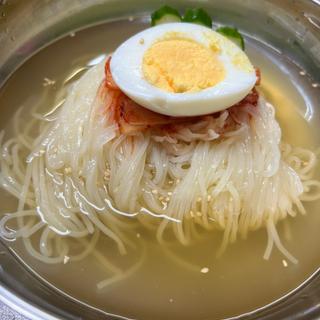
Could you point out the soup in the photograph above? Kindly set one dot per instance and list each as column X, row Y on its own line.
column 174, row 281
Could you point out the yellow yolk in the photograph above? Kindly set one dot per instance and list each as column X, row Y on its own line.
column 181, row 65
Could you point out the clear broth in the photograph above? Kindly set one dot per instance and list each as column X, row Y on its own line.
column 239, row 281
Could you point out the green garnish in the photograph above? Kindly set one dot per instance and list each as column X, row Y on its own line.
column 233, row 34
column 199, row 16
column 196, row 15
column 164, row 15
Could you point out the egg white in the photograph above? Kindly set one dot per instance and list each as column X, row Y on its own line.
column 126, row 69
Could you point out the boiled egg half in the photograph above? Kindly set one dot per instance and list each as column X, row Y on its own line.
column 182, row 69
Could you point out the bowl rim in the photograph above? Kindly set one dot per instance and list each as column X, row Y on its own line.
column 27, row 309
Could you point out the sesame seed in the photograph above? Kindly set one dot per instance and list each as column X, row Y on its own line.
column 209, row 198
column 167, row 198
column 141, row 41
column 199, row 199
column 170, row 182
column 154, row 191
column 106, row 175
column 204, row 270
column 199, row 214
column 66, row 259
column 48, row 82
column 164, row 205
column 169, row 193
column 67, row 170
column 285, row 263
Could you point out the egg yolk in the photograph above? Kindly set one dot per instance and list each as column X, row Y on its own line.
column 181, row 65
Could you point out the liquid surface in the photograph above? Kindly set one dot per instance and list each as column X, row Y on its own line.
column 208, row 288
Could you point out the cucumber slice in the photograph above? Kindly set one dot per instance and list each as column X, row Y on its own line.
column 165, row 14
column 232, row 34
column 199, row 16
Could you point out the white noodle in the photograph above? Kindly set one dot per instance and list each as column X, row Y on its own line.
column 77, row 177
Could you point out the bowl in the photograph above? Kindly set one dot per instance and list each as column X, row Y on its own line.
column 290, row 27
